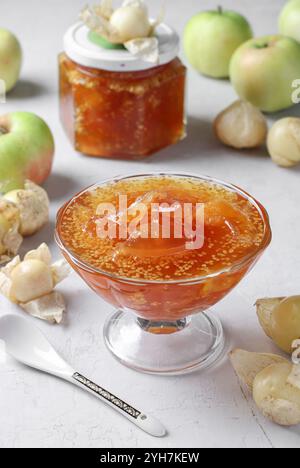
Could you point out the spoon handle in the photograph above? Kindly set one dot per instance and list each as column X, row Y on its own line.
column 147, row 423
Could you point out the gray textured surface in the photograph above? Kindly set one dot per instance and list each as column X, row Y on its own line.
column 200, row 410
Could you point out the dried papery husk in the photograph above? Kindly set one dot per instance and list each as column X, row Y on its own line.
column 5, row 280
column 280, row 319
column 60, row 271
column 49, row 308
column 41, row 253
column 105, row 9
column 145, row 49
column 296, row 352
column 10, row 238
column 12, row 242
column 30, row 284
column 92, row 17
column 160, row 18
column 276, row 396
column 265, row 308
column 135, row 4
column 33, row 205
column 247, row 365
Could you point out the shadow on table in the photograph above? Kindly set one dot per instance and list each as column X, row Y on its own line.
column 291, row 112
column 26, row 89
column 46, row 234
column 60, row 186
column 201, row 144
column 199, row 139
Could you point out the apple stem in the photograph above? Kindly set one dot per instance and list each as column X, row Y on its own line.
column 3, row 131
column 220, row 10
column 262, row 46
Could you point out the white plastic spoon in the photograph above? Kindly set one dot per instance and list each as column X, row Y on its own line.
column 27, row 344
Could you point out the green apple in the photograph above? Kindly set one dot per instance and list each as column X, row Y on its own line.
column 26, row 150
column 210, row 39
column 10, row 59
column 263, row 70
column 289, row 20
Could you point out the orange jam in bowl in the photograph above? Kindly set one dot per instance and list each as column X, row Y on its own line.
column 159, row 277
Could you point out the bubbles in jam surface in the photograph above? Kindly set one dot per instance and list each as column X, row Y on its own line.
column 230, row 230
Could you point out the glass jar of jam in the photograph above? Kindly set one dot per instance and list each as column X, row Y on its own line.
column 115, row 105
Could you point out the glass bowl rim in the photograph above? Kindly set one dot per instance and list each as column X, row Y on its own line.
column 236, row 266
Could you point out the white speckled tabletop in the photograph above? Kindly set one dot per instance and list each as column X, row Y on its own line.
column 203, row 410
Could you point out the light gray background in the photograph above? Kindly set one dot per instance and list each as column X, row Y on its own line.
column 201, row 410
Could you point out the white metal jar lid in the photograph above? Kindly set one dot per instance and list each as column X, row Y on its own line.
column 81, row 50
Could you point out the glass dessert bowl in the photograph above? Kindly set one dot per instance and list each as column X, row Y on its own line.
column 163, row 248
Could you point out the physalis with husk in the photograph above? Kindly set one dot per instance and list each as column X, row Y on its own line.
column 241, row 126
column 30, row 284
column 22, row 213
column 274, row 383
column 129, row 25
column 33, row 205
column 280, row 320
column 10, row 238
column 284, row 142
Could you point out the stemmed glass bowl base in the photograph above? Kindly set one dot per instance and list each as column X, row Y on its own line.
column 165, row 348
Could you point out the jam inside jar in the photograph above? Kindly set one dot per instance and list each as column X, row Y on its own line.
column 118, row 110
